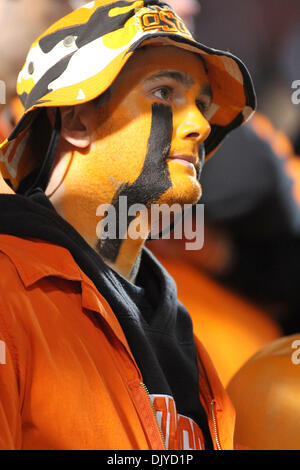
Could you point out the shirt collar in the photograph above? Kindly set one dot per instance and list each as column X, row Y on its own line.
column 37, row 259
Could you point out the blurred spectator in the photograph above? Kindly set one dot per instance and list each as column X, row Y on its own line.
column 241, row 289
column 246, row 273
column 231, row 328
column 269, row 385
column 249, row 175
column 251, row 190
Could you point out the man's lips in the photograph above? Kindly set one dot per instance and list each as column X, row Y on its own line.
column 187, row 160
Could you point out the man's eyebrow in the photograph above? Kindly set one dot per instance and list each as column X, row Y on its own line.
column 180, row 77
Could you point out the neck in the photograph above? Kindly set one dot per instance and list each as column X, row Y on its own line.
column 88, row 211
column 128, row 261
column 121, row 238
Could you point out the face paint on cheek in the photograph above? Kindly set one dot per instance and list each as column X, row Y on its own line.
column 153, row 181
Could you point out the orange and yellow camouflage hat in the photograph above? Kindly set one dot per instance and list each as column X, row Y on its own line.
column 79, row 57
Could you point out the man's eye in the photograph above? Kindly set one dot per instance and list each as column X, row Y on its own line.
column 163, row 93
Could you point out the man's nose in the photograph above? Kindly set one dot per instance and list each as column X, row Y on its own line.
column 194, row 127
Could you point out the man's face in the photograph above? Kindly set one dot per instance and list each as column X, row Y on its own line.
column 146, row 135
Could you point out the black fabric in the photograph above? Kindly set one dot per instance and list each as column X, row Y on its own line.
column 157, row 326
column 24, row 122
column 42, row 178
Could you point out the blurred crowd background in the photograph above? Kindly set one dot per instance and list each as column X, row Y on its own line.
column 266, row 36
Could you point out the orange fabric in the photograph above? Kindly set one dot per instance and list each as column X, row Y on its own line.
column 69, row 380
column 231, row 329
column 266, row 394
column 279, row 142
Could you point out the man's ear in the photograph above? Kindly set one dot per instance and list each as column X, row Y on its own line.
column 76, row 124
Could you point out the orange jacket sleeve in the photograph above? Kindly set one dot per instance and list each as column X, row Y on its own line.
column 10, row 403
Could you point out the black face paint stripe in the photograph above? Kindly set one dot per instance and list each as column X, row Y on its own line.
column 154, row 179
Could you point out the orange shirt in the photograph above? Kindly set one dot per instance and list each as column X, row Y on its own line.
column 69, row 380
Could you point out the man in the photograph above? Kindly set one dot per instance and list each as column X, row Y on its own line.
column 120, row 103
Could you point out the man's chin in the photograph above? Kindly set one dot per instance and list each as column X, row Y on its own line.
column 183, row 191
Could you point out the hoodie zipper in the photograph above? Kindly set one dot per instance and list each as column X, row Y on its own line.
column 212, row 404
column 154, row 413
